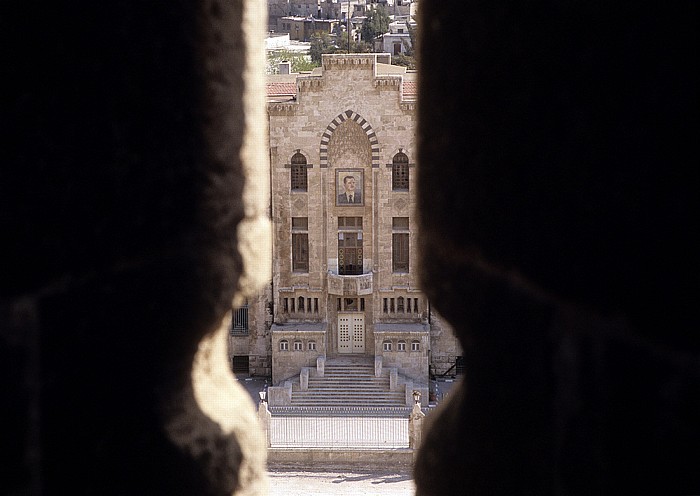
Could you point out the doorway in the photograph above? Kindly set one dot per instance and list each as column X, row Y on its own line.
column 351, row 333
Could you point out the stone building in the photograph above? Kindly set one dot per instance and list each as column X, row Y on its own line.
column 344, row 278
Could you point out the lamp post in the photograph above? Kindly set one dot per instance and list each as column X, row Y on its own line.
column 415, row 424
column 264, row 416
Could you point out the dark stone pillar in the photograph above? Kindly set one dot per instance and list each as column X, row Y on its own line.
column 122, row 192
column 555, row 207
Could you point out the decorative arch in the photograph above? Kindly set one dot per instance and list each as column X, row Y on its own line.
column 366, row 127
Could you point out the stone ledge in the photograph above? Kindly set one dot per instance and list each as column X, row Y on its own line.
column 339, row 458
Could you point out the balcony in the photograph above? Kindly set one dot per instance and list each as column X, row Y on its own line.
column 350, row 285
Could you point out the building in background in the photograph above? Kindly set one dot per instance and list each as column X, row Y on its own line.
column 343, row 198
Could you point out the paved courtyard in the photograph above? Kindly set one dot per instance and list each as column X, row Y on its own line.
column 340, row 482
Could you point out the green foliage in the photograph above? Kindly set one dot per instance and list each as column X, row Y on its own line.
column 376, row 24
column 409, row 57
column 355, row 46
column 320, row 44
column 300, row 62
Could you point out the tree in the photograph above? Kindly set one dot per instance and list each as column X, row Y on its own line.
column 376, row 24
column 409, row 56
column 320, row 44
column 300, row 62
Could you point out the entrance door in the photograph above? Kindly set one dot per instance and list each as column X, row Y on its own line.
column 351, row 333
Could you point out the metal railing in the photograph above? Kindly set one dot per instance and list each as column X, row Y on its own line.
column 347, row 432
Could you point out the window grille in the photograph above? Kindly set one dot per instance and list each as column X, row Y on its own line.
column 239, row 320
column 399, row 172
column 299, row 173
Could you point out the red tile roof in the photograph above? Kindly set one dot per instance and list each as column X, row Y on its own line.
column 281, row 89
column 410, row 89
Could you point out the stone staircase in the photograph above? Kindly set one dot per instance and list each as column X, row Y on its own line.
column 348, row 382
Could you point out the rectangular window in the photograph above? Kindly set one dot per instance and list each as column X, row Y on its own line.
column 239, row 320
column 400, row 242
column 399, row 252
column 300, row 244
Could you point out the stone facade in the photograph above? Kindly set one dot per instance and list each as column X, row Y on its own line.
column 353, row 116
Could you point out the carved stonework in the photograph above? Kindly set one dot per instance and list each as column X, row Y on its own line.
column 299, row 204
column 349, row 146
column 350, row 285
column 400, row 205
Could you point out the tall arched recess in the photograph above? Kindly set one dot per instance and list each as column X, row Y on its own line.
column 342, row 117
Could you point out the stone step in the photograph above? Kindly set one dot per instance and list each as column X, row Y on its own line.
column 348, row 382
column 323, row 402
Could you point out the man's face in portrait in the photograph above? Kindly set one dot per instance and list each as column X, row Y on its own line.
column 349, row 183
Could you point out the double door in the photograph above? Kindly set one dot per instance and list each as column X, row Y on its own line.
column 351, row 333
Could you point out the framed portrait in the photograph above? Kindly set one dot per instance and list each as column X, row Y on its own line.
column 349, row 187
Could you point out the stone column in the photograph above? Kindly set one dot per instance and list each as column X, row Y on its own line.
column 265, row 418
column 415, row 427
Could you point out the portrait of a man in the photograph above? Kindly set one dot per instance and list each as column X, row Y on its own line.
column 349, row 187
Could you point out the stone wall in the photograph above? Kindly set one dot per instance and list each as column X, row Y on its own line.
column 287, row 363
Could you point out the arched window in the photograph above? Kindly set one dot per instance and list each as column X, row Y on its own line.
column 298, row 169
column 312, row 345
column 386, row 345
column 399, row 172
column 401, row 345
column 298, row 346
column 284, row 345
column 415, row 345
column 300, row 306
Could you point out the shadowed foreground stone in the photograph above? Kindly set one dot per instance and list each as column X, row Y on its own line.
column 555, row 219
column 130, row 213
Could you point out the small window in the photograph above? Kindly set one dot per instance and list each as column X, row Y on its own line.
column 284, row 345
column 239, row 320
column 300, row 306
column 299, row 174
column 399, row 172
column 300, row 246
column 300, row 223
column 312, row 345
column 399, row 223
column 386, row 345
column 401, row 346
column 415, row 345
column 298, row 346
column 351, row 223
column 399, row 304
